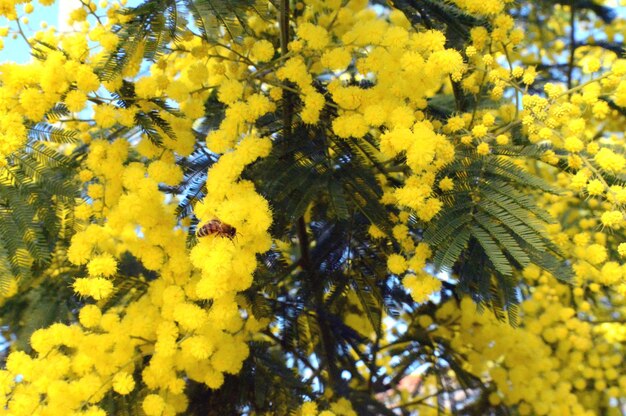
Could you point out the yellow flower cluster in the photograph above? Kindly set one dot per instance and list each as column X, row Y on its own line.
column 557, row 361
column 341, row 407
column 488, row 7
column 519, row 361
column 30, row 91
column 171, row 325
column 190, row 322
column 563, row 359
column 182, row 338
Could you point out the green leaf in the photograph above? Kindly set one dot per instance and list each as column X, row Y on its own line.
column 493, row 251
column 504, row 239
column 446, row 256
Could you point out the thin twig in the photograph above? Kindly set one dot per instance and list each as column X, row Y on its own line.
column 572, row 46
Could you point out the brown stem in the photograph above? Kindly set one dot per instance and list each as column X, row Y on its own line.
column 303, row 239
column 284, row 26
column 572, row 40
column 284, row 41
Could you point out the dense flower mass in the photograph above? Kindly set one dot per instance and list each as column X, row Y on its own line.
column 365, row 176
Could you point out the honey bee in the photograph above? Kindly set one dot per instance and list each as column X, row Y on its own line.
column 217, row 228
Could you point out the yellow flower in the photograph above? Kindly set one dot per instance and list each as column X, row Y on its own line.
column 609, row 160
column 483, row 149
column 308, row 409
column 573, row 144
column 86, row 79
column 199, row 347
column 105, row 115
column 18, row 362
column 102, row 265
column 313, row 104
column 596, row 254
column 153, row 405
column 579, row 181
column 98, row 287
column 376, row 232
column 396, row 264
column 455, row 123
column 488, row 119
column 612, row 219
column 595, row 187
column 336, row 59
column 529, row 75
column 446, row 184
column 189, row 316
column 429, row 209
column 502, row 139
column 353, row 125
column 123, row 383
column 262, row 51
column 90, row 316
column 315, row 36
column 197, row 73
column 486, row 7
column 421, row 287
column 75, row 101
column 593, row 148
column 230, row 91
column 611, row 273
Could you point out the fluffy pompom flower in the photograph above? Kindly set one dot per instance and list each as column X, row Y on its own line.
column 396, row 264
column 612, row 219
column 422, row 286
column 153, row 405
column 262, row 51
column 97, row 287
column 90, row 316
column 123, row 383
column 102, row 265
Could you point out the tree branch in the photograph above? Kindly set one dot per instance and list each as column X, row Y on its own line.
column 572, row 45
